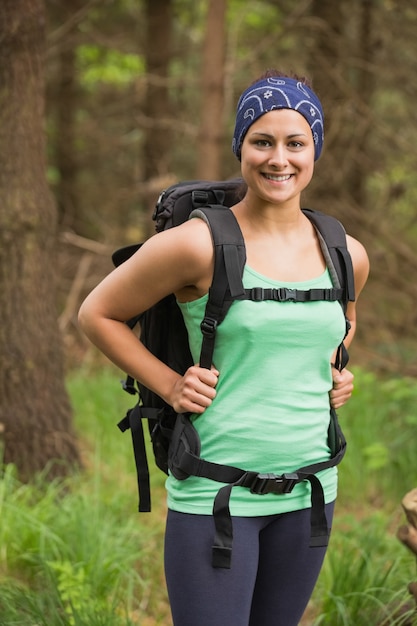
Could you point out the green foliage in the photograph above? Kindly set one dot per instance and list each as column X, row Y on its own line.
column 380, row 424
column 365, row 576
column 76, row 553
column 63, row 538
column 255, row 28
column 72, row 553
column 259, row 16
column 97, row 64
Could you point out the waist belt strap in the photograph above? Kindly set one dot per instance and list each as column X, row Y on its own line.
column 261, row 484
column 258, row 484
column 189, row 463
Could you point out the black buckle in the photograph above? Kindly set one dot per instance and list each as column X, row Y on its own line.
column 287, row 295
column 271, row 483
column 208, row 326
column 129, row 386
column 258, row 294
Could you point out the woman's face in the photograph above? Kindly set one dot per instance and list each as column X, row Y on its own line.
column 277, row 158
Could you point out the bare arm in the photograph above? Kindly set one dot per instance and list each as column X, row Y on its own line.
column 176, row 261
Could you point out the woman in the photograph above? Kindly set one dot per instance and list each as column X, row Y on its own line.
column 264, row 405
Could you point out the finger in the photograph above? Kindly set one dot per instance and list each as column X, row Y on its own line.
column 339, row 400
column 208, row 377
column 198, row 389
column 197, row 404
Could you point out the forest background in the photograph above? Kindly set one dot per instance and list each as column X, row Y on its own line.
column 143, row 94
column 104, row 103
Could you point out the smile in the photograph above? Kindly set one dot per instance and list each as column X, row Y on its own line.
column 278, row 179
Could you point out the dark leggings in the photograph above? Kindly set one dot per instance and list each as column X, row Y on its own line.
column 273, row 572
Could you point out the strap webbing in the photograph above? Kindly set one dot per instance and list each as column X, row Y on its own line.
column 229, row 261
column 223, row 540
column 259, row 484
column 283, row 294
column 348, row 271
column 133, row 420
column 233, row 270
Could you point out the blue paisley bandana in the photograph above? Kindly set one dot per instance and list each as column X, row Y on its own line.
column 278, row 93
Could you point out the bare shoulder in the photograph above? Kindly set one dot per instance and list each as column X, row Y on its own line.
column 182, row 256
column 178, row 260
column 188, row 245
column 357, row 251
column 360, row 262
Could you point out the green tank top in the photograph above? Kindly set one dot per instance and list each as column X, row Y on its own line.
column 271, row 411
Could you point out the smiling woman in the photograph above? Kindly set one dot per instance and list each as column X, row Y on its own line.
column 277, row 156
column 264, row 406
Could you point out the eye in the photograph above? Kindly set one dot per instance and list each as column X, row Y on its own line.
column 295, row 144
column 262, row 143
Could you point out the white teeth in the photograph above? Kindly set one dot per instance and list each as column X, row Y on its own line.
column 278, row 179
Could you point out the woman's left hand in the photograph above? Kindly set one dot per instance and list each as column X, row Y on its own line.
column 342, row 387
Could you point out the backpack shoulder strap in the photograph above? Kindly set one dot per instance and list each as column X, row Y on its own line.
column 332, row 237
column 229, row 261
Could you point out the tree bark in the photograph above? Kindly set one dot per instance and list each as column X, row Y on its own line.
column 157, row 105
column 346, row 84
column 35, row 412
column 65, row 137
column 212, row 93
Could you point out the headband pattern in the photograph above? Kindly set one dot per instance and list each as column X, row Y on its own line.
column 278, row 93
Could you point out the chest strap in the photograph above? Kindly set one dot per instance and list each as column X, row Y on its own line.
column 285, row 294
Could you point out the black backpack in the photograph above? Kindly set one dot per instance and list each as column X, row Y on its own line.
column 175, row 442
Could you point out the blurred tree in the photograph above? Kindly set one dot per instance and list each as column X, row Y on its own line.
column 145, row 101
column 209, row 165
column 96, row 89
column 66, row 93
column 157, row 107
column 356, row 62
column 344, row 51
column 35, row 413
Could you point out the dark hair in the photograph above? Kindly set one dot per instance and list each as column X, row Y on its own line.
column 274, row 73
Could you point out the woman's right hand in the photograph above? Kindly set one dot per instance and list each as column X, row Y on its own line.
column 195, row 391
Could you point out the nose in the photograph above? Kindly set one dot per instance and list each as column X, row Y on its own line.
column 278, row 157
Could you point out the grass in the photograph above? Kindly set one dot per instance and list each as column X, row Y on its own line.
column 75, row 552
column 380, row 423
column 365, row 576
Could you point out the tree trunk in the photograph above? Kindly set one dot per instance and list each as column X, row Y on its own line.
column 63, row 99
column 346, row 86
column 65, row 152
column 157, row 106
column 212, row 93
column 156, row 146
column 35, row 413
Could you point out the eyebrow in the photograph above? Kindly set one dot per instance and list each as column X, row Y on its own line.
column 269, row 135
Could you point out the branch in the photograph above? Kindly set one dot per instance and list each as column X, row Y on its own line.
column 77, row 286
column 87, row 244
